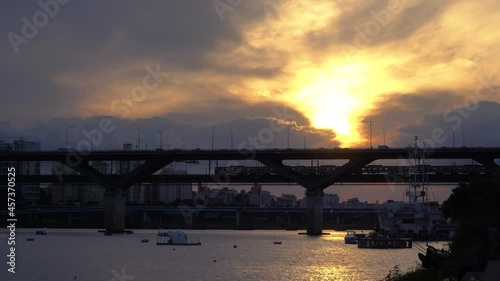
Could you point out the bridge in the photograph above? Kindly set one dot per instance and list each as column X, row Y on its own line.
column 314, row 183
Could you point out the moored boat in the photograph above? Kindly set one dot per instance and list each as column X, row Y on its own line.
column 417, row 217
column 352, row 237
column 176, row 238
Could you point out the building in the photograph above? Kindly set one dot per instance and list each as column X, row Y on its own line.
column 81, row 194
column 331, row 201
column 170, row 192
column 227, row 196
column 288, row 200
column 29, row 192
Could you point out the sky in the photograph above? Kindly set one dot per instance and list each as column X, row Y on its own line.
column 326, row 69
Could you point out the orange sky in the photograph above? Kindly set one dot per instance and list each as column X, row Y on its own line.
column 335, row 62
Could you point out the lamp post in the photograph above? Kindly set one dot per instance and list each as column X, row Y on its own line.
column 231, row 132
column 384, row 134
column 305, row 139
column 139, row 143
column 161, row 139
column 463, row 135
column 371, row 134
column 288, row 136
column 67, row 136
column 213, row 138
column 453, row 138
column 370, row 122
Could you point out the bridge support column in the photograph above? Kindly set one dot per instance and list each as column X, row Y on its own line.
column 115, row 210
column 238, row 219
column 314, row 203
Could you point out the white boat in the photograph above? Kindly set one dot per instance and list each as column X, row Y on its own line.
column 352, row 237
column 417, row 217
column 176, row 238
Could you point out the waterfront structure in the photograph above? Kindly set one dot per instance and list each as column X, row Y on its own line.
column 418, row 217
column 30, row 192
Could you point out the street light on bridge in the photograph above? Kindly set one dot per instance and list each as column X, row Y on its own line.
column 161, row 139
column 231, row 132
column 370, row 122
column 384, row 134
column 67, row 136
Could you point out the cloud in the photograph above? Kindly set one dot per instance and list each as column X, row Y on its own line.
column 186, row 132
column 406, row 116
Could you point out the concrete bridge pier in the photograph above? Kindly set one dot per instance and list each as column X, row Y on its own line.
column 115, row 210
column 238, row 219
column 314, row 211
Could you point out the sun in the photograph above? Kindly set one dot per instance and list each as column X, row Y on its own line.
column 337, row 102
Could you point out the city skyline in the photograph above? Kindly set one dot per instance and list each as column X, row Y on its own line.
column 252, row 74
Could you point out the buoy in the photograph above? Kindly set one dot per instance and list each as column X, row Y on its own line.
column 215, row 261
column 235, row 246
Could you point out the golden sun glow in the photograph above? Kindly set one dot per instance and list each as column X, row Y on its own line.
column 304, row 55
column 338, row 91
column 330, row 103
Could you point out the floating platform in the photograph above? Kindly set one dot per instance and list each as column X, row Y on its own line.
column 176, row 238
column 126, row 231
column 385, row 243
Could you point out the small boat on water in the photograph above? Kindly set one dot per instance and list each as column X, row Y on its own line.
column 41, row 232
column 352, row 237
column 144, row 240
column 176, row 238
column 30, row 239
column 276, row 242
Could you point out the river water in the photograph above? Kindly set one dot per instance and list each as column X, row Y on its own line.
column 85, row 255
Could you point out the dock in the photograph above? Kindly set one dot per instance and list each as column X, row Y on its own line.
column 384, row 243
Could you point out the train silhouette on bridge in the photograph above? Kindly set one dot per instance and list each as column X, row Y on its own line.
column 366, row 170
